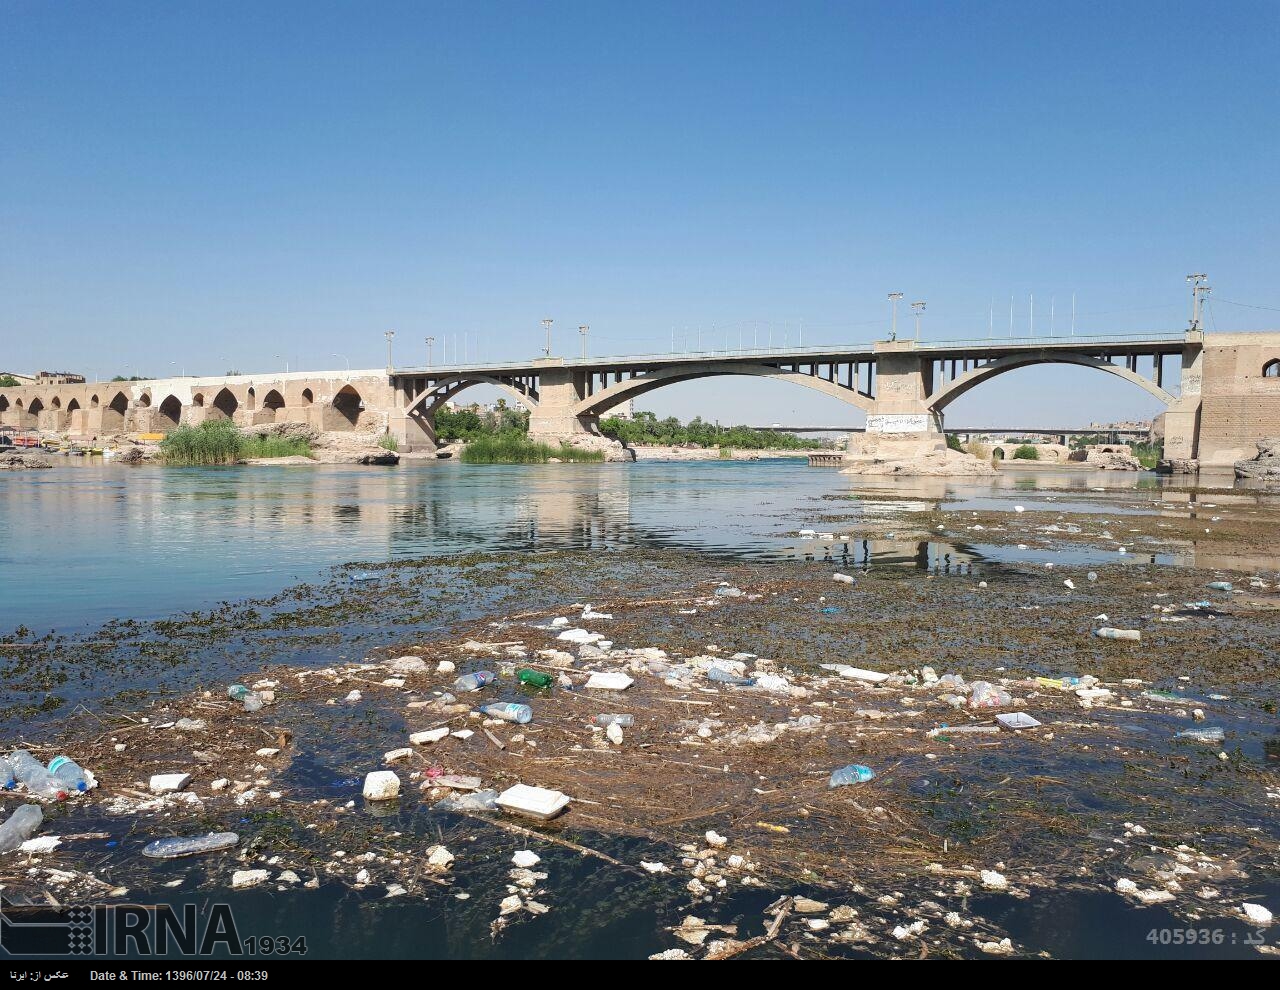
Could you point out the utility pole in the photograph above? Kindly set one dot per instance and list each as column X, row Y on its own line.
column 389, row 335
column 430, row 344
column 1198, row 291
column 893, row 327
column 546, row 325
column 918, row 308
column 1073, row 314
column 583, row 329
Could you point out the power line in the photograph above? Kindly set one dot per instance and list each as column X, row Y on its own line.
column 1230, row 302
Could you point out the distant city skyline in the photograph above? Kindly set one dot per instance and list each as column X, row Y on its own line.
column 204, row 188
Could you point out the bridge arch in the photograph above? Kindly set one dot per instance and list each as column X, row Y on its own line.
column 35, row 406
column 345, row 411
column 73, row 405
column 1271, row 369
column 114, row 412
column 225, row 405
column 273, row 401
column 4, row 404
column 944, row 396
column 144, row 400
column 170, row 412
column 55, row 403
column 446, row 388
column 615, row 395
column 308, row 397
column 94, row 401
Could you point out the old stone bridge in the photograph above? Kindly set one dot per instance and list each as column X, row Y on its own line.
column 1221, row 392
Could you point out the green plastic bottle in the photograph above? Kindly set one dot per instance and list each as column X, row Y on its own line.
column 535, row 679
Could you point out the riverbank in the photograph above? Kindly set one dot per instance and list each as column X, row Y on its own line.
column 659, row 453
column 966, row 833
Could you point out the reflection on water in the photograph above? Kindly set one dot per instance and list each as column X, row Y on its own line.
column 89, row 542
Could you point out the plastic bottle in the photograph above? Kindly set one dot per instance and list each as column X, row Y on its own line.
column 19, row 826
column 1203, row 735
column 855, row 773
column 70, row 773
column 508, row 712
column 476, row 801
column 474, row 682
column 535, row 679
column 39, row 781
column 7, row 780
column 251, row 700
column 1220, row 585
column 1106, row 632
column 626, row 721
column 724, row 677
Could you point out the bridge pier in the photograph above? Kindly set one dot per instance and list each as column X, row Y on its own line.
column 1182, row 418
column 900, row 421
column 560, row 389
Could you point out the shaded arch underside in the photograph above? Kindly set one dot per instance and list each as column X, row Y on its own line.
column 615, row 395
column 440, row 393
column 942, row 398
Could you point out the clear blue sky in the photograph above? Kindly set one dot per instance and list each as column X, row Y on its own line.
column 216, row 184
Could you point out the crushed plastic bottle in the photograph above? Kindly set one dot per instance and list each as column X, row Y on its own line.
column 729, row 592
column 474, row 682
column 70, row 773
column 535, row 678
column 1220, row 585
column 724, row 677
column 855, row 773
column 32, row 774
column 626, row 721
column 509, row 712
column 475, row 801
column 19, row 826
column 1206, row 735
column 7, row 780
column 178, row 846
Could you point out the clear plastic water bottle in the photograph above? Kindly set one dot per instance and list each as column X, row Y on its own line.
column 7, row 780
column 855, row 773
column 724, row 677
column 19, row 827
column 251, row 700
column 32, row 774
column 69, row 772
column 474, row 682
column 626, row 721
column 509, row 712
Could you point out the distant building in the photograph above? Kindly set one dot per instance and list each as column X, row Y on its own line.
column 58, row 378
column 625, row 411
column 21, row 379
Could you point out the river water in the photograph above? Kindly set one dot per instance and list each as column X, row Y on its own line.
column 87, row 542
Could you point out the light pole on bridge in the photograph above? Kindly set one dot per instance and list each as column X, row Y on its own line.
column 546, row 325
column 918, row 308
column 430, row 344
column 1198, row 292
column 389, row 334
column 344, row 358
column 584, row 329
column 893, row 301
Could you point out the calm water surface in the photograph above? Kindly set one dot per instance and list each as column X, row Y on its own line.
column 86, row 542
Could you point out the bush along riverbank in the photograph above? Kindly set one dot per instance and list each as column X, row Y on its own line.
column 516, row 448
column 221, row 442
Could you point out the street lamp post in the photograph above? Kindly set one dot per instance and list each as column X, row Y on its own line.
column 344, row 358
column 584, row 329
column 389, row 334
column 1198, row 292
column 281, row 357
column 893, row 301
column 918, row 308
column 546, row 325
column 430, row 344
